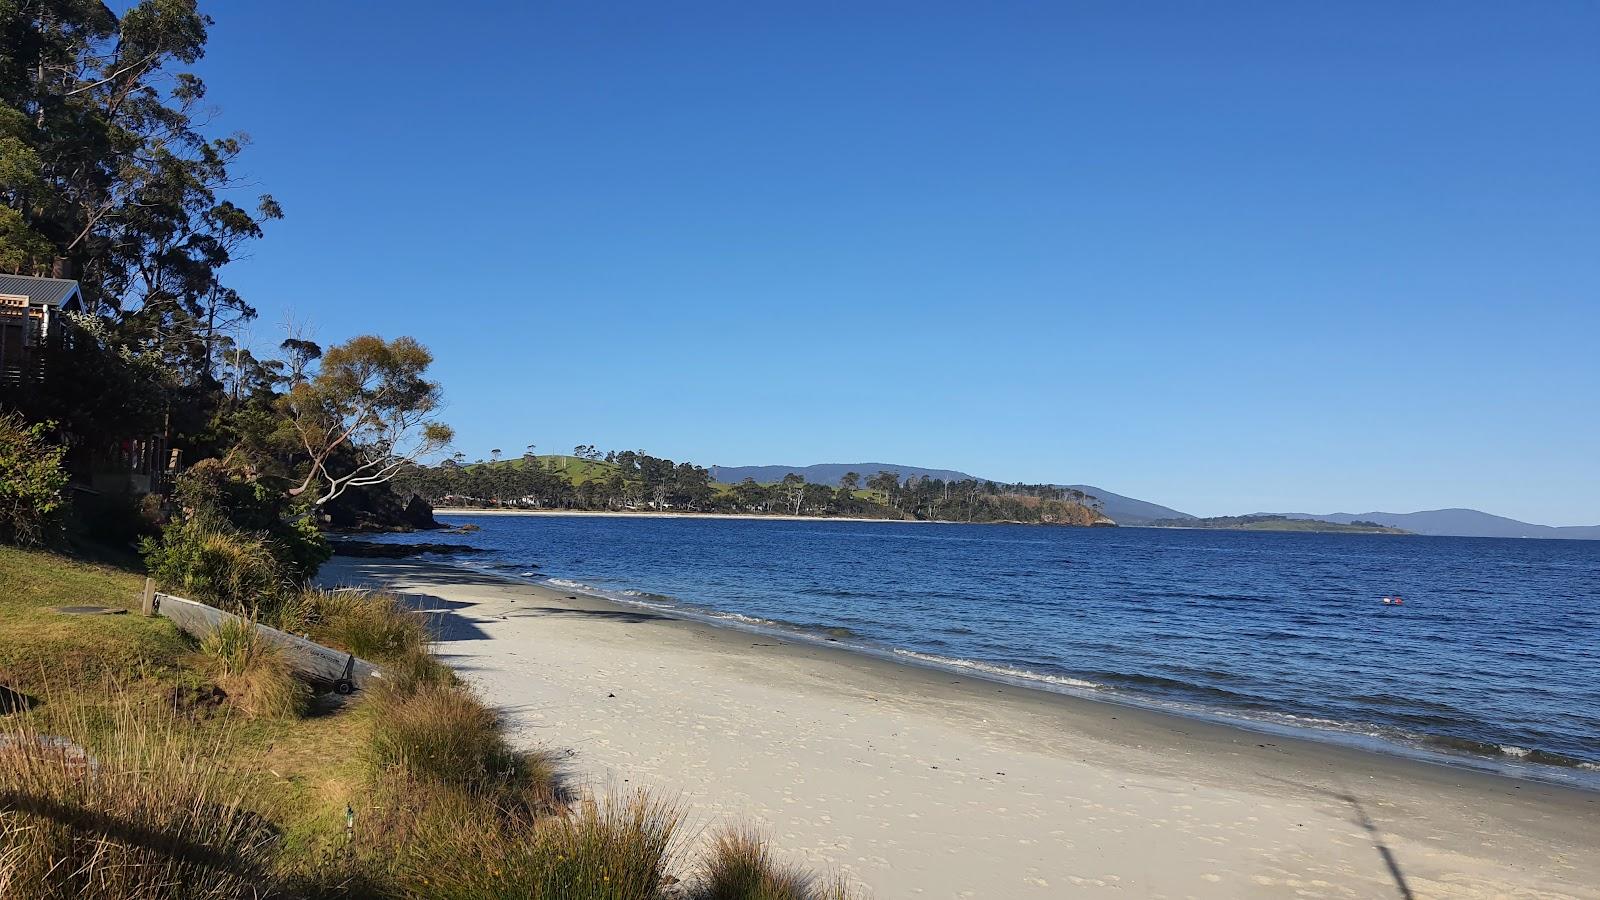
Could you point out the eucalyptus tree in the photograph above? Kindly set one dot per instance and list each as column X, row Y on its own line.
column 368, row 414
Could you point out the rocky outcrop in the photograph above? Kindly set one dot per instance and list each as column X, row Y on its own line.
column 378, row 508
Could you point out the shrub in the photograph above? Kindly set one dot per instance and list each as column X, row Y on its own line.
column 251, row 669
column 406, row 674
column 217, row 501
column 116, row 520
column 148, row 816
column 740, row 868
column 31, row 480
column 216, row 566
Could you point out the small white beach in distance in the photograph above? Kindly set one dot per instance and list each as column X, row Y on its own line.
column 923, row 783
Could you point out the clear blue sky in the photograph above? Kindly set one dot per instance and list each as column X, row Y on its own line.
column 1296, row 256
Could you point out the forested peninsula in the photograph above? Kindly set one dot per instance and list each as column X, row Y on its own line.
column 1277, row 523
column 636, row 481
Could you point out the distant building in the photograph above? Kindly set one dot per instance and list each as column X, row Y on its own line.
column 30, row 322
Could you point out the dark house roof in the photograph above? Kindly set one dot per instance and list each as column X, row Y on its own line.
column 60, row 292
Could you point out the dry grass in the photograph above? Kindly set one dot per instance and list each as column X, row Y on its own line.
column 610, row 850
column 442, row 733
column 144, row 813
column 372, row 625
column 251, row 669
column 740, row 867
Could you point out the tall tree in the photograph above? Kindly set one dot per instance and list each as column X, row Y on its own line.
column 107, row 177
column 366, row 416
column 793, row 487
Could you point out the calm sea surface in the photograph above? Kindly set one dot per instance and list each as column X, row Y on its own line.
column 1493, row 659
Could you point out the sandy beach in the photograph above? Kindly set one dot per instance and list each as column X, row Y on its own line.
column 922, row 783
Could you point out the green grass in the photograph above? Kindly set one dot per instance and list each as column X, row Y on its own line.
column 575, row 470
column 42, row 648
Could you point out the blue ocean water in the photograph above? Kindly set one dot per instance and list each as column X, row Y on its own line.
column 1494, row 656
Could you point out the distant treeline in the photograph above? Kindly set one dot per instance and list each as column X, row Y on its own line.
column 635, row 480
column 1275, row 523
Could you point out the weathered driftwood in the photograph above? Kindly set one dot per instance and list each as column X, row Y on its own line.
column 313, row 662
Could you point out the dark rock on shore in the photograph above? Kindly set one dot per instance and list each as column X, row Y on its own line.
column 378, row 508
column 375, row 550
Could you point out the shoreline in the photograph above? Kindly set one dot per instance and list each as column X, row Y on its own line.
column 777, row 517
column 1575, row 775
column 643, row 514
column 918, row 779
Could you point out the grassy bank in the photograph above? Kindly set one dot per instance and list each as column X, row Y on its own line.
column 138, row 763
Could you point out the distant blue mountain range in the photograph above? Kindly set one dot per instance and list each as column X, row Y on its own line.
column 1130, row 511
column 1460, row 523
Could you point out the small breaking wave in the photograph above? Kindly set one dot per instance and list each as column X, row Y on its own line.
column 571, row 585
column 1000, row 670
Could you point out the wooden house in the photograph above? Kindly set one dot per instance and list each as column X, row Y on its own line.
column 30, row 321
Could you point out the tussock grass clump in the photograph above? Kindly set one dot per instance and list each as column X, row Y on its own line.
column 601, row 850
column 406, row 674
column 372, row 625
column 740, row 867
column 251, row 669
column 142, row 814
column 442, row 733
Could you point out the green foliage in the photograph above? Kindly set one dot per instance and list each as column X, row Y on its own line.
column 115, row 520
column 226, row 500
column 251, row 669
column 365, row 416
column 634, row 480
column 223, row 568
column 31, row 480
column 236, row 546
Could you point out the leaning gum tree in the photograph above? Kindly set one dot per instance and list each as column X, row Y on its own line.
column 366, row 415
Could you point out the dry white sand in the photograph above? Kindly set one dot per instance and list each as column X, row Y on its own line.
column 919, row 783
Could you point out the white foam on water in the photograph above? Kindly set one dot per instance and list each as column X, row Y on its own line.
column 1518, row 752
column 570, row 584
column 1004, row 671
column 748, row 620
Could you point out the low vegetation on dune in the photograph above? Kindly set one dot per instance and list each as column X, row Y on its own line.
column 371, row 624
column 183, row 769
column 250, row 669
column 741, row 867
